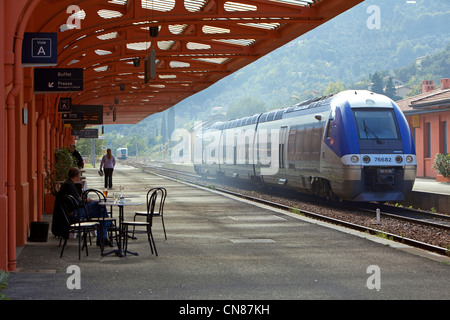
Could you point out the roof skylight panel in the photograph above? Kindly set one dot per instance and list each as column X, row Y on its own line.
column 194, row 5
column 266, row 26
column 101, row 69
column 108, row 36
column 109, row 14
column 101, row 52
column 197, row 46
column 177, row 28
column 212, row 60
column 214, row 30
column 73, row 62
column 302, row 3
column 235, row 6
column 139, row 45
column 167, row 76
column 240, row 42
column 165, row 45
column 179, row 64
column 119, row 2
column 158, row 5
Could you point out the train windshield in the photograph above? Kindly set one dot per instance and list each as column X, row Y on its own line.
column 376, row 125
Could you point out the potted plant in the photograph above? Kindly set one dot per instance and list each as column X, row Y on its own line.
column 56, row 173
column 442, row 167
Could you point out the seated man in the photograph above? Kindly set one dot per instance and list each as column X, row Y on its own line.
column 94, row 209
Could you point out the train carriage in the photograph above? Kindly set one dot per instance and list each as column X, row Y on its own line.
column 355, row 145
column 122, row 153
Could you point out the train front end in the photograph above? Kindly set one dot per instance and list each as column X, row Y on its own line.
column 376, row 148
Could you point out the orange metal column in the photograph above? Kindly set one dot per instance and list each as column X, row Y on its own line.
column 26, row 164
column 41, row 108
column 21, row 181
column 48, row 133
column 53, row 133
column 14, row 85
column 32, row 163
column 3, row 162
column 48, row 150
column 16, row 16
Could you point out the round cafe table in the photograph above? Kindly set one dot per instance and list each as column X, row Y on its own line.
column 121, row 204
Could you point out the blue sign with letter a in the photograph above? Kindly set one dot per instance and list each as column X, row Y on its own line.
column 39, row 49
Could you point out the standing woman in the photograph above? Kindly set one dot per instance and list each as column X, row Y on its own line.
column 108, row 163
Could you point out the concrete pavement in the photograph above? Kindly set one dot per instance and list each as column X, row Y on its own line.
column 221, row 248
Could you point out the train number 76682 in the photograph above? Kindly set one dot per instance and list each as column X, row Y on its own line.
column 383, row 159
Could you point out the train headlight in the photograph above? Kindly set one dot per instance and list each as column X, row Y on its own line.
column 398, row 159
column 354, row 159
column 409, row 159
column 366, row 159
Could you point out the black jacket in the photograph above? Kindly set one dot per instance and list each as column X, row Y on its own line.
column 60, row 224
column 79, row 158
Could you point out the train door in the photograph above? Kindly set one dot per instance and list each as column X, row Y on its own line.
column 235, row 153
column 292, row 157
column 221, row 153
column 282, row 155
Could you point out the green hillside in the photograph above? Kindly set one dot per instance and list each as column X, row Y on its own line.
column 342, row 53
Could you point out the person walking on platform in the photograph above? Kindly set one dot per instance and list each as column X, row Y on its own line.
column 108, row 163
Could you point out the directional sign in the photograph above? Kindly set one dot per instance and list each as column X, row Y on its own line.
column 92, row 114
column 73, row 116
column 88, row 133
column 58, row 80
column 39, row 49
column 65, row 105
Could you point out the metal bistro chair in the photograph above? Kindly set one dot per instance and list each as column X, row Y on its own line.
column 151, row 202
column 105, row 223
column 160, row 212
column 75, row 224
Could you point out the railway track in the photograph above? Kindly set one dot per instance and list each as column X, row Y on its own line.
column 411, row 217
column 415, row 216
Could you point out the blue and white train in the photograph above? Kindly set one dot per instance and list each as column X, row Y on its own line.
column 354, row 145
column 122, row 153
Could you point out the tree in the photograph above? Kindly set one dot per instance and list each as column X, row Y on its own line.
column 310, row 63
column 390, row 89
column 246, row 107
column 377, row 83
column 136, row 145
column 334, row 87
column 84, row 146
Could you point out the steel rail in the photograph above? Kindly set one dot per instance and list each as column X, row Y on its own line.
column 412, row 220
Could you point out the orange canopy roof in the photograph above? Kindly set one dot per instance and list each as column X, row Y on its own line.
column 198, row 43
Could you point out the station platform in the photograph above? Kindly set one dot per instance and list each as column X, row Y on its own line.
column 222, row 248
column 431, row 186
column 428, row 194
